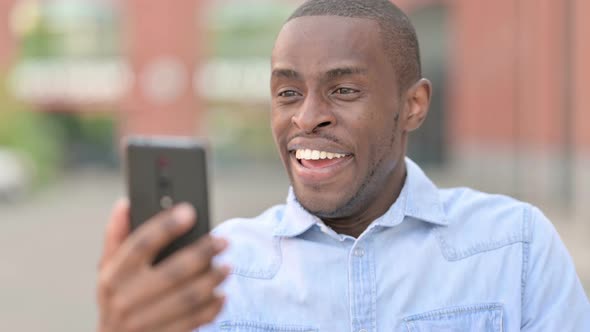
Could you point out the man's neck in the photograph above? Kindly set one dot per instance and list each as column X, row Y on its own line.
column 355, row 225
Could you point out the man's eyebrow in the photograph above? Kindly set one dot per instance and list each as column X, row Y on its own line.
column 286, row 73
column 344, row 71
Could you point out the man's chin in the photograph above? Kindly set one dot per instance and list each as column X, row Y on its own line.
column 322, row 204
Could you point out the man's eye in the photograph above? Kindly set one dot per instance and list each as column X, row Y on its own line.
column 288, row 94
column 345, row 91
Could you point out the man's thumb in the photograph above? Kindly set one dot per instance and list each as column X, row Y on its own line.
column 117, row 230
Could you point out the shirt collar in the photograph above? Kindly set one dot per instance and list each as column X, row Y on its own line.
column 296, row 220
column 418, row 199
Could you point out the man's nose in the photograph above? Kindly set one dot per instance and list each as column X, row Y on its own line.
column 314, row 113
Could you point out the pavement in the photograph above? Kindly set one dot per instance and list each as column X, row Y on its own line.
column 51, row 242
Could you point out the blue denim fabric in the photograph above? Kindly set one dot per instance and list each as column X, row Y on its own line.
column 438, row 260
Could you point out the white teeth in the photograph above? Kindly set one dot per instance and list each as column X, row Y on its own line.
column 308, row 154
column 315, row 155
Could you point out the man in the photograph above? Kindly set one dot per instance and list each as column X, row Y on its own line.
column 365, row 242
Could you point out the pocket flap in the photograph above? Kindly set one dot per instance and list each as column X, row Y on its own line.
column 480, row 317
column 250, row 326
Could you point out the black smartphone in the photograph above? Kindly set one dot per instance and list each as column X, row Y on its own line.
column 165, row 171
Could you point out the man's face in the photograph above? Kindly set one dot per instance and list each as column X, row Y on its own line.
column 335, row 113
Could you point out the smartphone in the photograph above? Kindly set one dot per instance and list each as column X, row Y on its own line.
column 165, row 171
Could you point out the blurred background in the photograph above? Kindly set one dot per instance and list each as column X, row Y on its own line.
column 509, row 115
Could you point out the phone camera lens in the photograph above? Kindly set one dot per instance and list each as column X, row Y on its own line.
column 166, row 202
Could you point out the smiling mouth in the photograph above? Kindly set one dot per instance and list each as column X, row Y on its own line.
column 315, row 159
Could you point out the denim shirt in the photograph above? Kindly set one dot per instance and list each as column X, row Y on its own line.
column 437, row 260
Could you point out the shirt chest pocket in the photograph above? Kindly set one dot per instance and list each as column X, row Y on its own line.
column 481, row 317
column 249, row 326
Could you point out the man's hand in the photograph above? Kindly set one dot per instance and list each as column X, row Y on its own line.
column 175, row 295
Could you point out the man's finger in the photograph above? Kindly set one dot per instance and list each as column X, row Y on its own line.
column 146, row 241
column 117, row 230
column 199, row 318
column 178, row 268
column 186, row 300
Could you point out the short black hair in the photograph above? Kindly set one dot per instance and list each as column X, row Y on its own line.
column 399, row 36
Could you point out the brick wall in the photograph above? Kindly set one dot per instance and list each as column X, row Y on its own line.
column 518, row 118
column 7, row 43
column 164, row 48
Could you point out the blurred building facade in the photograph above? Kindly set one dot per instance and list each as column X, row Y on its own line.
column 510, row 112
column 517, row 102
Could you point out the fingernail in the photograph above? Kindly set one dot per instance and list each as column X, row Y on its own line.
column 122, row 201
column 219, row 244
column 219, row 294
column 184, row 213
column 226, row 270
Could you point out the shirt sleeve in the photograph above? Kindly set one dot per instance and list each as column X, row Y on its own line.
column 553, row 297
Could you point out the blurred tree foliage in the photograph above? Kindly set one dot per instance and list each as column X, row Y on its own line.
column 72, row 29
column 63, row 30
column 39, row 43
column 241, row 134
column 30, row 134
column 246, row 29
column 88, row 138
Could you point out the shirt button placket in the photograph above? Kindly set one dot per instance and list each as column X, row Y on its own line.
column 359, row 252
column 362, row 288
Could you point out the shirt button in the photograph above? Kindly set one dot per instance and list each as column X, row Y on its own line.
column 359, row 252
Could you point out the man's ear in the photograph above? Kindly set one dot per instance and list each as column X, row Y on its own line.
column 417, row 104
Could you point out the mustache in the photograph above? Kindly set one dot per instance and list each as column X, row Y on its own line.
column 324, row 136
